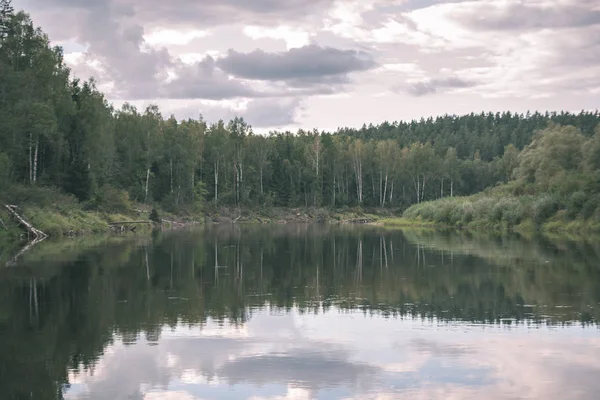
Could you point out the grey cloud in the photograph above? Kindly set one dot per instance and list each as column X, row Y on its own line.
column 114, row 34
column 272, row 112
column 260, row 113
column 521, row 16
column 431, row 86
column 194, row 13
column 218, row 12
column 202, row 80
column 308, row 64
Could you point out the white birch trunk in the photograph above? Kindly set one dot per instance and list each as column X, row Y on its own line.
column 384, row 191
column 30, row 159
column 216, row 182
column 147, row 184
column 35, row 161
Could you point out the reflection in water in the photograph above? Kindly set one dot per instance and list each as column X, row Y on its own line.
column 302, row 312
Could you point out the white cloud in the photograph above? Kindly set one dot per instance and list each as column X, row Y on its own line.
column 293, row 37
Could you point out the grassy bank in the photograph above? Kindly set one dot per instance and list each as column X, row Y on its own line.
column 499, row 209
column 58, row 214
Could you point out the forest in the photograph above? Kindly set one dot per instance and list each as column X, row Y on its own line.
column 61, row 138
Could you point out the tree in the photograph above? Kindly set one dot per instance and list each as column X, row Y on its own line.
column 551, row 159
column 451, row 169
column 356, row 150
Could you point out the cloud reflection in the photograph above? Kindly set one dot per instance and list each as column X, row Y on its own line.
column 295, row 356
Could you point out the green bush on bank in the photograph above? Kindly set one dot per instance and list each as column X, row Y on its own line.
column 576, row 212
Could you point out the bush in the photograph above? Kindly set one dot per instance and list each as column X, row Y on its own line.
column 575, row 204
column 112, row 200
column 544, row 208
column 155, row 216
column 42, row 197
column 590, row 207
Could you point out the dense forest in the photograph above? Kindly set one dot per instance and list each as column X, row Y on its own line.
column 59, row 132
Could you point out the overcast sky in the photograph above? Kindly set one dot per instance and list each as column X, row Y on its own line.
column 328, row 63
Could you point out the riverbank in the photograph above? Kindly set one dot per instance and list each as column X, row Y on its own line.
column 500, row 211
column 57, row 215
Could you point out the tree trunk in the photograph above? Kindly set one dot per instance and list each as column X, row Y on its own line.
column 451, row 187
column 35, row 161
column 193, row 183
column 423, row 190
column 261, row 180
column 171, row 167
column 418, row 187
column 384, row 191
column 30, row 159
column 442, row 190
column 333, row 195
column 216, row 182
column 147, row 183
column 391, row 192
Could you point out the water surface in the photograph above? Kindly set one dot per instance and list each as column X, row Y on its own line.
column 301, row 312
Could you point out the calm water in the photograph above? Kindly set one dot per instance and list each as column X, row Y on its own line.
column 301, row 312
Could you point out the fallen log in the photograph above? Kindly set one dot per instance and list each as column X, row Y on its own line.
column 173, row 222
column 30, row 228
column 130, row 222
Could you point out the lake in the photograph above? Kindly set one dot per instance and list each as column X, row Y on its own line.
column 301, row 312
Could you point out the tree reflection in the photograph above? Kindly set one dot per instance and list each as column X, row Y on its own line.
column 61, row 308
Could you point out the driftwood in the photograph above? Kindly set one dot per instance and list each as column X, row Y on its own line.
column 173, row 222
column 363, row 220
column 120, row 225
column 2, row 223
column 130, row 222
column 39, row 235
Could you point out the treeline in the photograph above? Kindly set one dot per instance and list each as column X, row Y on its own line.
column 60, row 132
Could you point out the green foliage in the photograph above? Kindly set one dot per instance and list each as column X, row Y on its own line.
column 4, row 171
column 111, row 200
column 155, row 216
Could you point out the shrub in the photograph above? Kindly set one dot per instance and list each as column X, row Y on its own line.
column 575, row 204
column 544, row 208
column 155, row 216
column 112, row 200
column 590, row 206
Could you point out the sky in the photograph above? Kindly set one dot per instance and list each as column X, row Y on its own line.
column 331, row 63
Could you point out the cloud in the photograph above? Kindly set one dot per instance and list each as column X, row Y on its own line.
column 505, row 16
column 260, row 113
column 528, row 54
column 202, row 80
column 309, row 64
column 431, row 86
